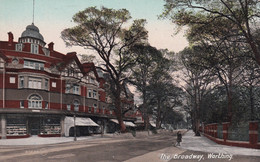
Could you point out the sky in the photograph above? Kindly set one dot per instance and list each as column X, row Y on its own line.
column 53, row 16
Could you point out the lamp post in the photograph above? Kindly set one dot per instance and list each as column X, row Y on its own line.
column 75, row 131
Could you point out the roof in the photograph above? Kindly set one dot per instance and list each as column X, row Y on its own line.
column 32, row 31
column 2, row 55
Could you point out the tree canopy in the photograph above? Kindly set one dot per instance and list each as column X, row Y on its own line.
column 110, row 34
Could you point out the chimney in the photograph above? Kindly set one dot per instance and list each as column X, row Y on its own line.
column 10, row 38
column 51, row 46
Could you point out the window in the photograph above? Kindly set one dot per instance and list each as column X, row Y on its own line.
column 89, row 93
column 33, row 65
column 95, row 107
column 53, row 84
column 19, row 47
column 35, row 83
column 68, row 107
column 12, row 79
column 35, row 102
column 46, row 84
column 46, row 51
column 76, row 105
column 21, row 82
column 21, row 104
column 75, row 89
column 91, row 80
column 67, row 90
column 46, row 105
column 94, row 94
column 1, row 64
column 34, row 48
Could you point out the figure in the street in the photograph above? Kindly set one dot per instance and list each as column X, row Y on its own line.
column 179, row 138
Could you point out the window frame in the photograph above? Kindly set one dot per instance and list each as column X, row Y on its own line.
column 34, row 48
column 34, row 102
column 76, row 105
column 34, row 83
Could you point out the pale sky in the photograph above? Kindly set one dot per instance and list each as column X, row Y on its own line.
column 52, row 16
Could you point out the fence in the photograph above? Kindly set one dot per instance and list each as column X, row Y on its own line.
column 243, row 135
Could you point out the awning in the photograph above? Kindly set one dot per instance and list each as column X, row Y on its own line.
column 130, row 124
column 152, row 123
column 127, row 123
column 69, row 122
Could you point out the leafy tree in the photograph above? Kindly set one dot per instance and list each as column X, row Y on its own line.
column 198, row 79
column 162, row 93
column 146, row 64
column 242, row 15
column 103, row 30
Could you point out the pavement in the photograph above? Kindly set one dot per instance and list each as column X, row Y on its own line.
column 35, row 140
column 198, row 148
column 203, row 144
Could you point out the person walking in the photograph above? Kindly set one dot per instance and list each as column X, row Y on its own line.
column 179, row 138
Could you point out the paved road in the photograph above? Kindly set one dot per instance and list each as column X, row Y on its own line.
column 143, row 149
column 107, row 149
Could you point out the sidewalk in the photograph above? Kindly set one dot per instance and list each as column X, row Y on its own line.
column 203, row 144
column 193, row 143
column 35, row 140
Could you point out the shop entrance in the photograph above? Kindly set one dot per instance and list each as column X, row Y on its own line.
column 34, row 125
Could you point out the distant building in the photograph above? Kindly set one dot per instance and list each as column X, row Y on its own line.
column 42, row 89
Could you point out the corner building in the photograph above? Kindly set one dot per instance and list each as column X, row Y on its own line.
column 42, row 90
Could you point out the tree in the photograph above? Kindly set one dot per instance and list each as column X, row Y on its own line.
column 198, row 79
column 161, row 91
column 147, row 61
column 240, row 14
column 102, row 30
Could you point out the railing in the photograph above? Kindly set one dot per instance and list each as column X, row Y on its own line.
column 243, row 135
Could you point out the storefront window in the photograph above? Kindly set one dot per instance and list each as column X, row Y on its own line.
column 51, row 125
column 16, row 126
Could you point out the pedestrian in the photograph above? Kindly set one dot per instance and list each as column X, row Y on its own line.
column 179, row 138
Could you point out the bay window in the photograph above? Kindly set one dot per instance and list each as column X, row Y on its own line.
column 35, row 83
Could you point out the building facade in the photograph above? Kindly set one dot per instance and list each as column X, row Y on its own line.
column 42, row 89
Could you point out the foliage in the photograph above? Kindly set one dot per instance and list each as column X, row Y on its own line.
column 103, row 30
column 240, row 15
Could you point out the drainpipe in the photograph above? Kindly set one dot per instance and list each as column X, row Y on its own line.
column 4, row 86
column 75, row 131
column 60, row 92
column 84, row 98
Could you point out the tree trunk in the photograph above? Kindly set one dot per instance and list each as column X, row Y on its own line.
column 118, row 107
column 230, row 95
column 146, row 117
column 251, row 103
column 197, row 106
column 158, row 119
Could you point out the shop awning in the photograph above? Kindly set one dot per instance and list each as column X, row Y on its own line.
column 127, row 123
column 69, row 122
column 152, row 123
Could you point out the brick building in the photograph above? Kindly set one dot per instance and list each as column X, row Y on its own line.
column 42, row 89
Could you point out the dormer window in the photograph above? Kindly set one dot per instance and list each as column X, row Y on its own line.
column 46, row 51
column 19, row 47
column 34, row 48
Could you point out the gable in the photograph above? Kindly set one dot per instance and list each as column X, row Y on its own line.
column 72, row 69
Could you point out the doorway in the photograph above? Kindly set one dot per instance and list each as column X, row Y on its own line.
column 34, row 125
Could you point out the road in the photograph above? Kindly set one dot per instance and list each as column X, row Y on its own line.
column 99, row 150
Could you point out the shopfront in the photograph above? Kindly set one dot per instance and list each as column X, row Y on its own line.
column 28, row 125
